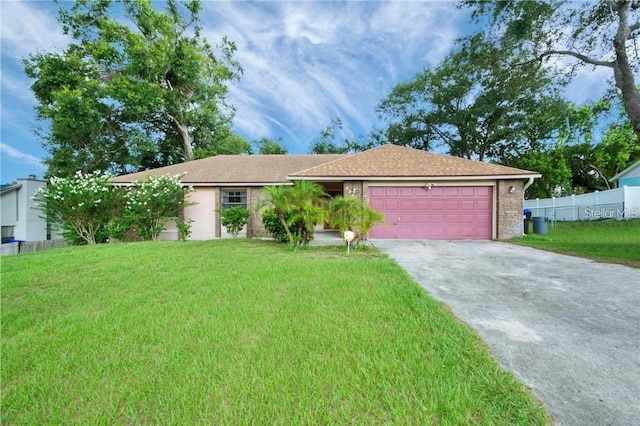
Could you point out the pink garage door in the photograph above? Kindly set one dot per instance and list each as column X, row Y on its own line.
column 439, row 213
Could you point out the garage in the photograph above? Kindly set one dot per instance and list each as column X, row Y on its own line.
column 437, row 213
column 424, row 195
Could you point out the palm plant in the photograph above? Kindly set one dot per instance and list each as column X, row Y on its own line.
column 279, row 198
column 308, row 208
column 299, row 206
column 353, row 213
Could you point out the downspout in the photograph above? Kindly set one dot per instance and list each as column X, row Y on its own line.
column 527, row 185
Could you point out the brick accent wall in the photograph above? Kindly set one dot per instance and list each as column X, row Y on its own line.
column 509, row 209
column 255, row 229
column 353, row 189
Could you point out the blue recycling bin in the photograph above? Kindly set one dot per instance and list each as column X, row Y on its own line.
column 539, row 225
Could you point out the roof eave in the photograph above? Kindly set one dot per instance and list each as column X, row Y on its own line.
column 217, row 184
column 10, row 189
column 625, row 172
column 414, row 178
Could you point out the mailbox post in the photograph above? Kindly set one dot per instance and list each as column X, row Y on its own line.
column 348, row 237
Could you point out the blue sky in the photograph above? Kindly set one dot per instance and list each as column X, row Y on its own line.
column 305, row 63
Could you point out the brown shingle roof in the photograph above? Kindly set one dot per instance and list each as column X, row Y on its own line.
column 386, row 161
column 245, row 169
column 398, row 161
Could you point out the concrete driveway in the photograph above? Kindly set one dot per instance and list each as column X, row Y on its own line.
column 569, row 328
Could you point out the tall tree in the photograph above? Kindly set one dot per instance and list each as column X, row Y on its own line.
column 267, row 146
column 594, row 164
column 137, row 88
column 551, row 162
column 332, row 140
column 226, row 143
column 602, row 34
column 473, row 104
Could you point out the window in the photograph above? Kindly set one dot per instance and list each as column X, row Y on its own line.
column 8, row 233
column 233, row 198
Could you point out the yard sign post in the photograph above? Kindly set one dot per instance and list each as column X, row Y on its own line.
column 348, row 236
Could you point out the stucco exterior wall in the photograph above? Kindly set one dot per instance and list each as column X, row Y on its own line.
column 509, row 209
column 203, row 213
column 9, row 205
column 19, row 210
column 170, row 232
column 30, row 226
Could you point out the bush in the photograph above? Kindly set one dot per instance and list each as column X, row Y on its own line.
column 300, row 205
column 81, row 205
column 184, row 227
column 274, row 227
column 234, row 218
column 353, row 213
column 154, row 202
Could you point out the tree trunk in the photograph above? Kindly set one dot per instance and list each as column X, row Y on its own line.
column 623, row 73
column 286, row 228
column 187, row 149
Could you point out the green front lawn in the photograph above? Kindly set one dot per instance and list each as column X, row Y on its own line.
column 608, row 240
column 239, row 332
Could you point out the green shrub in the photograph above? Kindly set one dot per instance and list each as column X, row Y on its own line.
column 117, row 228
column 299, row 205
column 353, row 213
column 184, row 228
column 234, row 218
column 274, row 227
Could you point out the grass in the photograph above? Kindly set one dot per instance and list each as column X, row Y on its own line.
column 239, row 332
column 606, row 241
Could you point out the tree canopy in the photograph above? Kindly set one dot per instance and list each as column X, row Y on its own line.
column 137, row 88
column 267, row 146
column 474, row 105
column 332, row 140
column 601, row 34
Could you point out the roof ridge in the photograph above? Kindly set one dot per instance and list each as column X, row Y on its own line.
column 398, row 160
column 324, row 164
column 455, row 157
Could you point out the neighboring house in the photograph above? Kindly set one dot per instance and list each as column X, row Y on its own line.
column 629, row 176
column 20, row 219
column 422, row 195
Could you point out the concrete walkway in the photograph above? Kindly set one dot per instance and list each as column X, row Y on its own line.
column 569, row 328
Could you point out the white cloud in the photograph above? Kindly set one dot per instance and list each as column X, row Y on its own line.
column 16, row 84
column 307, row 63
column 20, row 156
column 590, row 84
column 28, row 27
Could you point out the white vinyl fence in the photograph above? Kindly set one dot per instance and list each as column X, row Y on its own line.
column 620, row 203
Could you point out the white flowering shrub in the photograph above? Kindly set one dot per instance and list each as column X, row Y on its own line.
column 89, row 209
column 82, row 205
column 151, row 203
